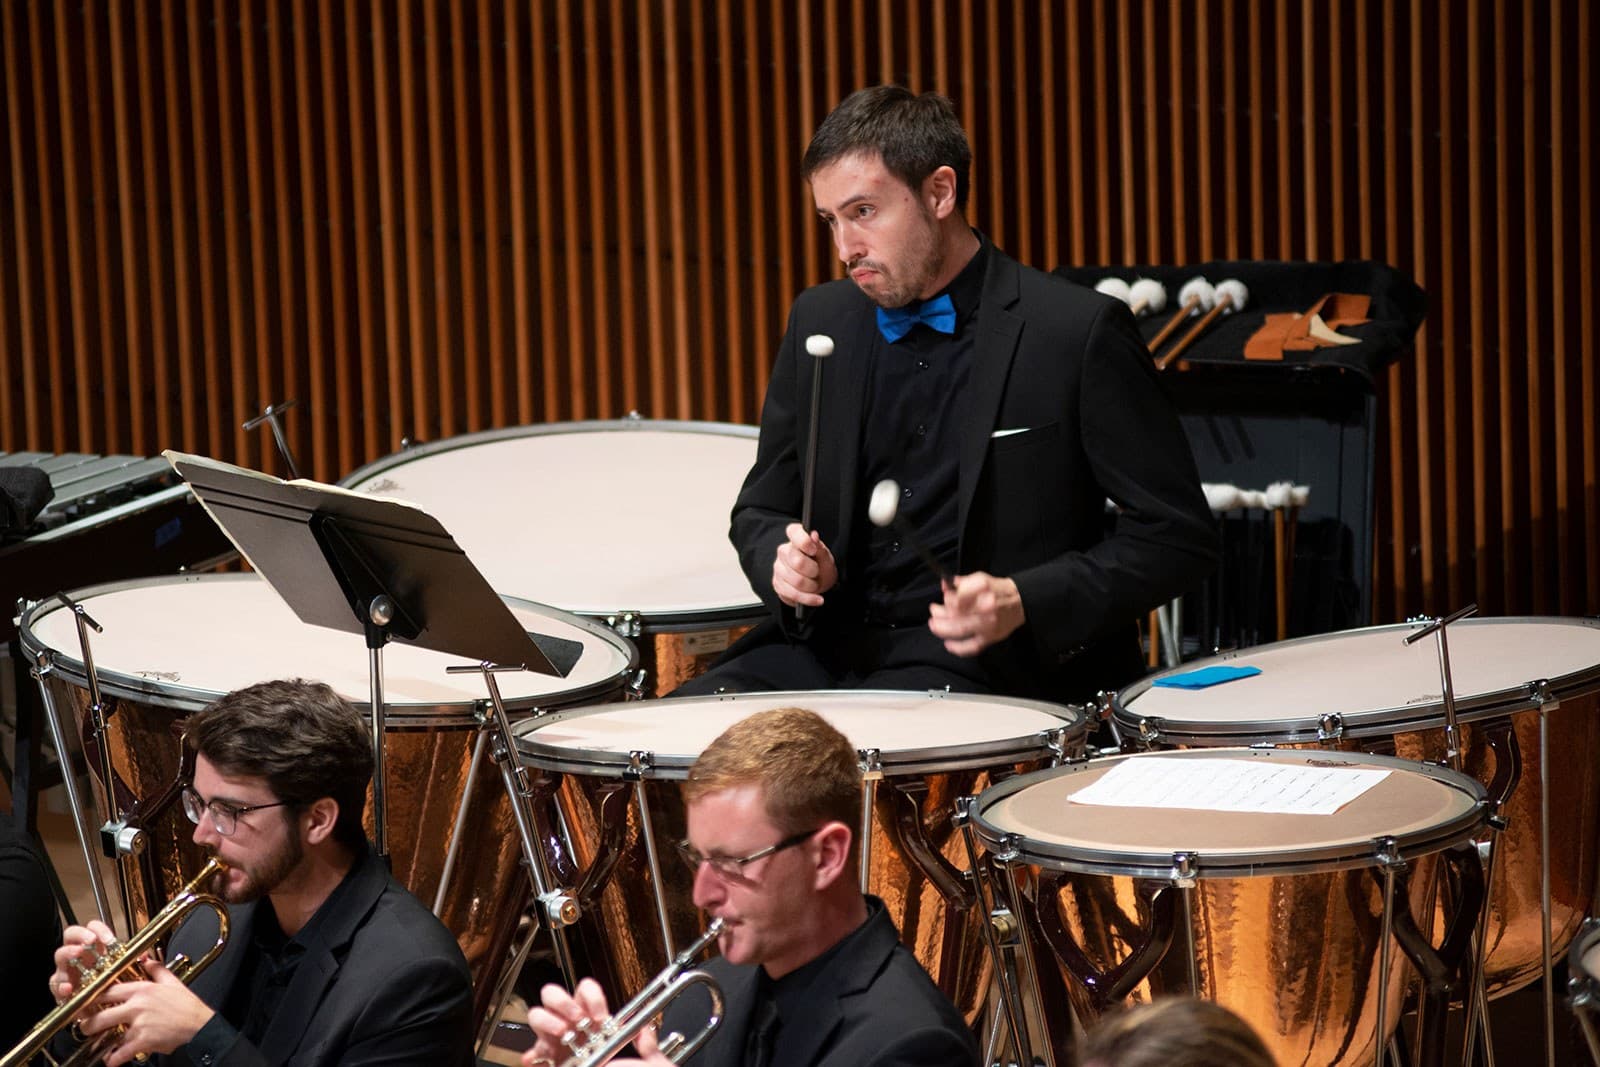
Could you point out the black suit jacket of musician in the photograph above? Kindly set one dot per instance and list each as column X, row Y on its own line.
column 877, row 1008
column 387, row 985
column 1065, row 410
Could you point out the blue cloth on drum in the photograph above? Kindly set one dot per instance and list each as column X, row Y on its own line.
column 1205, row 677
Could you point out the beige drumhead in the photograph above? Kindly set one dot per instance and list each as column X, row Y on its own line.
column 595, row 518
column 1370, row 678
column 913, row 732
column 183, row 641
column 1422, row 807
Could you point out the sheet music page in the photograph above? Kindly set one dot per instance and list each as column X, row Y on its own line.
column 1262, row 786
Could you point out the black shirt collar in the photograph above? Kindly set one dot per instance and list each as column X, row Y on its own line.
column 793, row 989
column 966, row 288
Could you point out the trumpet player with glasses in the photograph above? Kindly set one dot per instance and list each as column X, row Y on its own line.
column 812, row 971
column 329, row 960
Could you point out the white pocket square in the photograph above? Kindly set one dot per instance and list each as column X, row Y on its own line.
column 1008, row 433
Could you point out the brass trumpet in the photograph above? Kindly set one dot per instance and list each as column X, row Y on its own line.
column 120, row 960
column 593, row 1046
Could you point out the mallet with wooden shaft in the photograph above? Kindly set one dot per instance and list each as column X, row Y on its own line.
column 1231, row 296
column 1195, row 297
column 820, row 346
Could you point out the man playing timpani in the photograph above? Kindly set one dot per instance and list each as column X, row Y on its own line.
column 812, row 971
column 1006, row 404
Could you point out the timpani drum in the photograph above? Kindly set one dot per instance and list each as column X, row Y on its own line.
column 622, row 521
column 592, row 769
column 1528, row 692
column 1279, row 917
column 172, row 645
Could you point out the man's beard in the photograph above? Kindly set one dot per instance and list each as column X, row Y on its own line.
column 267, row 874
column 924, row 252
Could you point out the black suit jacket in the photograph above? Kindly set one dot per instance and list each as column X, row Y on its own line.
column 1065, row 410
column 387, row 985
column 879, row 1009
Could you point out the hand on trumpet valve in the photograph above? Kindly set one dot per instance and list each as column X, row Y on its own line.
column 159, row 1014
column 78, row 957
column 564, row 1022
column 803, row 568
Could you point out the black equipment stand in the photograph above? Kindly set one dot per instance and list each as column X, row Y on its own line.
column 359, row 564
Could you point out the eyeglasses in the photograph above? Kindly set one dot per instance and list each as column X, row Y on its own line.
column 225, row 817
column 732, row 867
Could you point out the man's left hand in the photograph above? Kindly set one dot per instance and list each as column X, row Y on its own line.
column 979, row 610
column 160, row 1015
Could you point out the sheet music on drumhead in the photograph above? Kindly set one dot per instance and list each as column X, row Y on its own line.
column 1264, row 786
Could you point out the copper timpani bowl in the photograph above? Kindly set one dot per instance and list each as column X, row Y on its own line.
column 1286, row 910
column 1528, row 692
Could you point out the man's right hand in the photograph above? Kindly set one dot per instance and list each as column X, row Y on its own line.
column 560, row 1013
column 83, row 943
column 803, row 568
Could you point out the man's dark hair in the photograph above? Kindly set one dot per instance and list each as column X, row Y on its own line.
column 915, row 135
column 305, row 740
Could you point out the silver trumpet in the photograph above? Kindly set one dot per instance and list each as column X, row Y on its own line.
column 590, row 1045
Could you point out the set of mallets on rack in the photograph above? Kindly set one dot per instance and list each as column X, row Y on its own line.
column 1198, row 297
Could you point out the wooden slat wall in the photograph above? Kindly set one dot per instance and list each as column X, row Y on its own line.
column 420, row 219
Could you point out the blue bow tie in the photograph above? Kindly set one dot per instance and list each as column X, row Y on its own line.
column 937, row 314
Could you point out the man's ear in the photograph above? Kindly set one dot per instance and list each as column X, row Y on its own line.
column 318, row 820
column 939, row 192
column 834, row 851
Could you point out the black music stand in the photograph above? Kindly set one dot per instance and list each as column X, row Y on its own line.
column 367, row 565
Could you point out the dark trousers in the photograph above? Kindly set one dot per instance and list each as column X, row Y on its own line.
column 859, row 656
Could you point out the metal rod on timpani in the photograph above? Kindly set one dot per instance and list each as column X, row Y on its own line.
column 553, row 907
column 820, row 346
column 41, row 670
column 459, row 826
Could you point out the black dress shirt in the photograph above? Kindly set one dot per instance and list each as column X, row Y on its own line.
column 916, row 414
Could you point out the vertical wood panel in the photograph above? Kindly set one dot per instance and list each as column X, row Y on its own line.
column 320, row 402
column 1589, row 392
column 1565, row 600
column 546, row 196
column 1533, row 354
column 442, row 370
column 289, row 299
column 130, row 243
column 433, row 218
column 1513, row 548
column 95, row 305
column 1477, row 329
column 27, row 355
